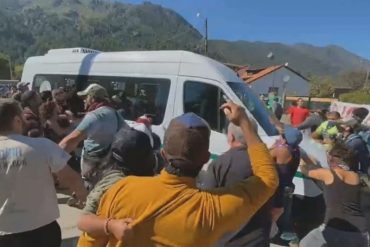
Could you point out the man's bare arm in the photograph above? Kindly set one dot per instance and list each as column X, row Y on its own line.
column 71, row 141
column 68, row 177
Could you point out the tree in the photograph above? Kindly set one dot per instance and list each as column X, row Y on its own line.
column 18, row 69
column 357, row 97
column 353, row 79
column 321, row 86
column 4, row 67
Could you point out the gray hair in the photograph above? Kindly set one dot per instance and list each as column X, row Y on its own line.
column 238, row 133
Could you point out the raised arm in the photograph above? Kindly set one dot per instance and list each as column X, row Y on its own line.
column 312, row 169
column 87, row 127
column 71, row 141
column 317, row 134
column 307, row 123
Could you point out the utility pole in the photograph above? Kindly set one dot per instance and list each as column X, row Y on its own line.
column 206, row 37
column 367, row 78
column 206, row 32
column 10, row 68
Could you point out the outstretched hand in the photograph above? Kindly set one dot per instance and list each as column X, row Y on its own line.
column 234, row 112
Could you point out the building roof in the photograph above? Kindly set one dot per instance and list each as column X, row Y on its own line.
column 251, row 75
column 256, row 74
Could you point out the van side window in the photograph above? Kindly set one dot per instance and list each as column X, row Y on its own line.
column 133, row 96
column 204, row 100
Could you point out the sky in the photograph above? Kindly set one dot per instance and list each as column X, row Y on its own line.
column 318, row 22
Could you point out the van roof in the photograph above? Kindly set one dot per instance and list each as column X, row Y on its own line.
column 91, row 62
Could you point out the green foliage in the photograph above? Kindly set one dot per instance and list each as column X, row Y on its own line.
column 17, row 71
column 4, row 67
column 96, row 24
column 353, row 79
column 321, row 86
column 358, row 97
column 32, row 27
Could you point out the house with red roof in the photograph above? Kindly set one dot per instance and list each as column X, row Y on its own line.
column 279, row 78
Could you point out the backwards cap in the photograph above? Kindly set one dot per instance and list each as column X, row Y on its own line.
column 133, row 149
column 186, row 138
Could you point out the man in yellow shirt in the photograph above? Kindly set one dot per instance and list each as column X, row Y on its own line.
column 169, row 210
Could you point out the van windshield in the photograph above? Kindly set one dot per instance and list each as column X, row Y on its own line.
column 254, row 106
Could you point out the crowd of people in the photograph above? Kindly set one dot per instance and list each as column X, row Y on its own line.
column 133, row 192
column 345, row 181
column 327, row 128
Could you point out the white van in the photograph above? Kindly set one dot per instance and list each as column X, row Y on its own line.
column 168, row 83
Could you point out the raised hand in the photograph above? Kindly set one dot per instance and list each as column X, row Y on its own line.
column 235, row 113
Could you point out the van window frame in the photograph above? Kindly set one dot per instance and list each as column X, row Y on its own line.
column 220, row 129
column 81, row 82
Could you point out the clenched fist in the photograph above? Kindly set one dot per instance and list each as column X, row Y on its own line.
column 235, row 113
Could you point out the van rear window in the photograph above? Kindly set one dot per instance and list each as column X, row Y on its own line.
column 136, row 95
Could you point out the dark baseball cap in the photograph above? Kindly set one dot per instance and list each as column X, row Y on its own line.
column 132, row 149
column 186, row 138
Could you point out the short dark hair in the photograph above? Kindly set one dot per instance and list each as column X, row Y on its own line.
column 27, row 97
column 75, row 104
column 341, row 151
column 46, row 96
column 360, row 113
column 323, row 113
column 9, row 109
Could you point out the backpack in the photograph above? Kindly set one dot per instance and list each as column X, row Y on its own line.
column 365, row 135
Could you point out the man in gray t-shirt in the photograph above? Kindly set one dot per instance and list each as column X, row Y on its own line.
column 97, row 129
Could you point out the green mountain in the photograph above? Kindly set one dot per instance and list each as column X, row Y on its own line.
column 306, row 59
column 31, row 27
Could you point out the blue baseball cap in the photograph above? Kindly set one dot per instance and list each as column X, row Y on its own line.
column 292, row 135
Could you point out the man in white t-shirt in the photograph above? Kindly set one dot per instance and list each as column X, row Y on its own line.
column 28, row 201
